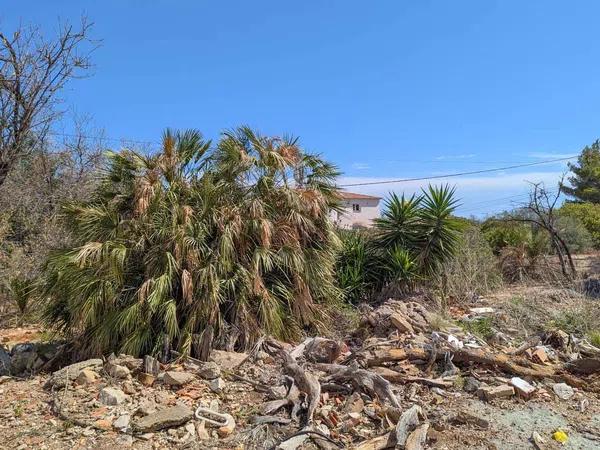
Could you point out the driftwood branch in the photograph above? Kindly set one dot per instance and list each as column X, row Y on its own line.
column 370, row 382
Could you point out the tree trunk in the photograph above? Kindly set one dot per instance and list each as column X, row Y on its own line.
column 568, row 253
column 4, row 169
column 559, row 252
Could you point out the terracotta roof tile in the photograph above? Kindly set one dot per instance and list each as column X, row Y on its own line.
column 353, row 196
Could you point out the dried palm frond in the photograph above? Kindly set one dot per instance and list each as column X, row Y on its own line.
column 235, row 238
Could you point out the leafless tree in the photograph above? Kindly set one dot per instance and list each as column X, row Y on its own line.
column 33, row 71
column 541, row 211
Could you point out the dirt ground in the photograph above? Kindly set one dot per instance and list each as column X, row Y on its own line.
column 29, row 418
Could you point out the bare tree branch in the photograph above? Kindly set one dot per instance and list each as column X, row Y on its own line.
column 33, row 71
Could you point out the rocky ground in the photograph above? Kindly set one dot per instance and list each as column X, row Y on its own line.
column 404, row 378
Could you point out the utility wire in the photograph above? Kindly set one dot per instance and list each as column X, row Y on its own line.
column 370, row 183
column 449, row 175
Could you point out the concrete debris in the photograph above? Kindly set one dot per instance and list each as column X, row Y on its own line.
column 416, row 440
column 128, row 387
column 523, row 388
column 146, row 379
column 116, row 370
column 209, row 370
column 491, row 393
column 177, row 378
column 538, row 441
column 471, row 384
column 468, row 418
column 64, row 376
column 111, row 396
column 165, row 418
column 398, row 381
column 217, row 385
column 482, row 310
column 407, row 423
column 563, row 391
column 122, row 423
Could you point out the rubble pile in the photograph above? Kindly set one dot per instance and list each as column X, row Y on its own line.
column 382, row 387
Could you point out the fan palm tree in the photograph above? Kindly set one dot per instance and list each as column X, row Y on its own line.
column 234, row 238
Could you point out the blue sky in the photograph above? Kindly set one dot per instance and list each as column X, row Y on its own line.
column 385, row 89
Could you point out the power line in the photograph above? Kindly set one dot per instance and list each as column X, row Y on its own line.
column 474, row 172
column 371, row 183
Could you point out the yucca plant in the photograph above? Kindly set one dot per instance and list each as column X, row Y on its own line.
column 401, row 271
column 234, row 238
column 357, row 269
column 415, row 235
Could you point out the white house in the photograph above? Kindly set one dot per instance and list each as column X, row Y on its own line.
column 359, row 210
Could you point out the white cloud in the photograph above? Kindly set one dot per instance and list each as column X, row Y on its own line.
column 361, row 166
column 479, row 195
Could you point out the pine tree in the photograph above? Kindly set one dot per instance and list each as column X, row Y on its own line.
column 585, row 182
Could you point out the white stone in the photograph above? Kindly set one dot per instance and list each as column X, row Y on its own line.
column 563, row 391
column 122, row 423
column 111, row 396
column 523, row 387
column 216, row 385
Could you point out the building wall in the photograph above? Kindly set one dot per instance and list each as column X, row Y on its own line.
column 369, row 210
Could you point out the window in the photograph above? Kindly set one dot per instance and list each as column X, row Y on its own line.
column 355, row 207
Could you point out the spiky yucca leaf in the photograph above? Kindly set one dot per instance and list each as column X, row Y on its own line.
column 416, row 234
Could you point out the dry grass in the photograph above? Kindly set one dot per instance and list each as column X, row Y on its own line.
column 527, row 310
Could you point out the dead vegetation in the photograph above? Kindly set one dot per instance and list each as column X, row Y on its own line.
column 401, row 378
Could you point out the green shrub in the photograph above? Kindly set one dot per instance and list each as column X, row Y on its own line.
column 234, row 238
column 481, row 327
column 518, row 245
column 356, row 266
column 501, row 233
column 575, row 234
column 588, row 214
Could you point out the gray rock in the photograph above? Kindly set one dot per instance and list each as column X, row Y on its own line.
column 216, row 385
column 471, row 384
column 563, row 391
column 4, row 362
column 117, row 371
column 122, row 423
column 177, row 378
column 209, row 370
column 111, row 396
column 133, row 364
column 125, row 441
column 228, row 360
column 22, row 348
column 22, row 362
column 165, row 418
column 47, row 350
column 146, row 407
column 62, row 377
